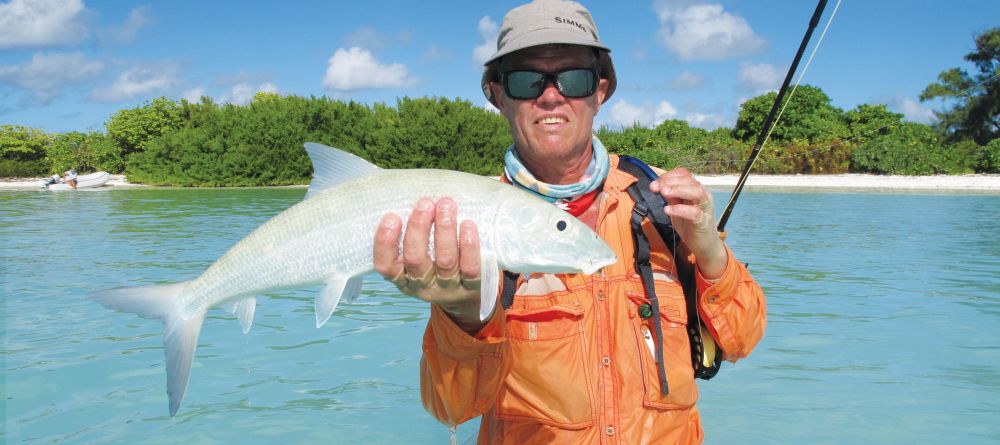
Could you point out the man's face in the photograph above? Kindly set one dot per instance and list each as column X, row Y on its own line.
column 551, row 127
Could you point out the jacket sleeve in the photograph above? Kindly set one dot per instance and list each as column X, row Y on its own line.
column 734, row 308
column 460, row 375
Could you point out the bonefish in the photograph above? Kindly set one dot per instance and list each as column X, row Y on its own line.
column 327, row 238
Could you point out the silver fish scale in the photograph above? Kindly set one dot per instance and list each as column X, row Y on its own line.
column 331, row 234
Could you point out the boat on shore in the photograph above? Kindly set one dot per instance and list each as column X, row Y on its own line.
column 91, row 180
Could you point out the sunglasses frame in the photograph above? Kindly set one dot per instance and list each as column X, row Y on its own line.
column 552, row 78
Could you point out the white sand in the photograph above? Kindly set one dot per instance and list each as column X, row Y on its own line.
column 971, row 183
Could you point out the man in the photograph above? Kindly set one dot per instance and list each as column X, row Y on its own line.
column 69, row 177
column 572, row 359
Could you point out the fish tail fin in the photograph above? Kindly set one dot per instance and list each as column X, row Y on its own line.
column 180, row 335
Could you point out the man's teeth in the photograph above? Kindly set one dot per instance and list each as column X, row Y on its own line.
column 552, row 120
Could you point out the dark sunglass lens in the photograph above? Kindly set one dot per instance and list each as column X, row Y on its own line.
column 525, row 84
column 576, row 83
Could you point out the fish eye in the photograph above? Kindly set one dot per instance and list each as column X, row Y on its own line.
column 561, row 225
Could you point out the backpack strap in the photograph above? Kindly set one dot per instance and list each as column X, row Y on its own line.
column 645, row 200
column 639, row 214
column 639, row 191
column 509, row 287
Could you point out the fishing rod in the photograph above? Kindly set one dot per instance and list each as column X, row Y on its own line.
column 765, row 131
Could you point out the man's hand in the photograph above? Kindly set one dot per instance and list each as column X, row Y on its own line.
column 451, row 279
column 691, row 212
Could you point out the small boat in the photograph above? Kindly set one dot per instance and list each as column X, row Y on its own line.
column 91, row 180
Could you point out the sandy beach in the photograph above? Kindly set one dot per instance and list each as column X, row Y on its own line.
column 939, row 183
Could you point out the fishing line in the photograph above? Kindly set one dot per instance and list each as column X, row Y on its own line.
column 772, row 119
column 799, row 81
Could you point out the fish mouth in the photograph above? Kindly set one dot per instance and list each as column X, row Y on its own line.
column 596, row 265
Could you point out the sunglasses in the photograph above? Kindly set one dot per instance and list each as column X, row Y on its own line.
column 572, row 83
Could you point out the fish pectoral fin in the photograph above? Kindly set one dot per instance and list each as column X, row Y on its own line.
column 332, row 167
column 329, row 297
column 489, row 276
column 244, row 310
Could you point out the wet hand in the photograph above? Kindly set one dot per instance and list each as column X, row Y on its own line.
column 691, row 211
column 451, row 278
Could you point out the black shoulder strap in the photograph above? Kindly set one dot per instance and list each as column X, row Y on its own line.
column 646, row 200
column 640, row 193
column 508, row 288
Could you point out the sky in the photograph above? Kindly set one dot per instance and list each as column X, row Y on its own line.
column 68, row 65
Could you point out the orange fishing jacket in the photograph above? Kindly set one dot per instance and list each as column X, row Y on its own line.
column 572, row 362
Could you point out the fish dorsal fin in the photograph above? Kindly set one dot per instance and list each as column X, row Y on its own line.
column 332, row 166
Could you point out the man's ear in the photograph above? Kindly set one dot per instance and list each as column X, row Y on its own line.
column 602, row 91
column 498, row 94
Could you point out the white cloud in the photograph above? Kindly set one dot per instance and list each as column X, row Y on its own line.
column 704, row 31
column 705, row 121
column 489, row 31
column 193, row 94
column 912, row 110
column 624, row 114
column 760, row 77
column 37, row 23
column 134, row 82
column 242, row 93
column 489, row 107
column 687, row 81
column 47, row 74
column 357, row 69
column 137, row 19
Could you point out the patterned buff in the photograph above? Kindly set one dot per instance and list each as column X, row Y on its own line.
column 574, row 198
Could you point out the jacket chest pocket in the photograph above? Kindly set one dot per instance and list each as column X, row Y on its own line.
column 676, row 350
column 549, row 382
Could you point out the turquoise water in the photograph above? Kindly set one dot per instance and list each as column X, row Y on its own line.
column 884, row 327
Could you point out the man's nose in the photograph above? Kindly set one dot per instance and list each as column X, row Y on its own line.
column 551, row 93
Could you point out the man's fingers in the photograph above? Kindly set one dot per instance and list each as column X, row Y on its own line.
column 468, row 241
column 679, row 186
column 386, row 249
column 416, row 260
column 446, row 238
column 687, row 212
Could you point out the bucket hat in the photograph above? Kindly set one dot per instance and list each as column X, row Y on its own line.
column 546, row 22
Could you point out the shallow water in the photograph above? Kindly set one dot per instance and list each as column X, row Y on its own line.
column 884, row 327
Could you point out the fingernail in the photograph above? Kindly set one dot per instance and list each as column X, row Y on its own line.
column 388, row 222
column 424, row 204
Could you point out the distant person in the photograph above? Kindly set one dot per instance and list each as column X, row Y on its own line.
column 54, row 179
column 69, row 177
column 570, row 358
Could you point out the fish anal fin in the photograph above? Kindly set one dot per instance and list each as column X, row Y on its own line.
column 329, row 297
column 243, row 310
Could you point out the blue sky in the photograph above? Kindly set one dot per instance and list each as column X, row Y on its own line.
column 67, row 65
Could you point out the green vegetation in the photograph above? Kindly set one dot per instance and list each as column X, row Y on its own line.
column 22, row 151
column 164, row 142
column 976, row 112
column 261, row 143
